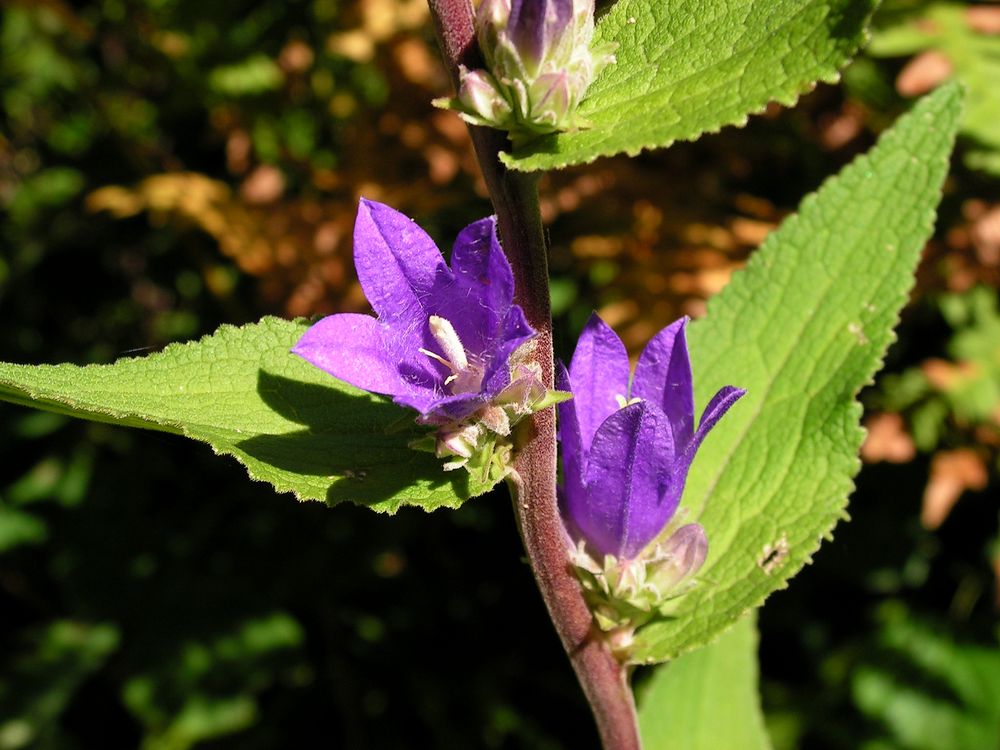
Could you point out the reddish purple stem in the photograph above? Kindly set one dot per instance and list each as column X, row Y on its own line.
column 515, row 200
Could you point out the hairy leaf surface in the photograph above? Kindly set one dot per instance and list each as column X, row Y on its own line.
column 241, row 391
column 803, row 328
column 688, row 67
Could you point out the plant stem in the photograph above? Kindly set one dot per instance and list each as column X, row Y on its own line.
column 515, row 200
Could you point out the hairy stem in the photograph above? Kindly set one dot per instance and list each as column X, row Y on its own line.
column 515, row 200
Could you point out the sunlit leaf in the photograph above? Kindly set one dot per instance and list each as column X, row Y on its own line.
column 803, row 328
column 689, row 67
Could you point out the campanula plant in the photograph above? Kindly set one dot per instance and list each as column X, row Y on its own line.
column 803, row 327
column 627, row 448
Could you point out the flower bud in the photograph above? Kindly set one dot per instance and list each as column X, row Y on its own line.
column 676, row 560
column 626, row 593
column 477, row 93
column 539, row 66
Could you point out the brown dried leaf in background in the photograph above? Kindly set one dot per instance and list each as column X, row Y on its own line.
column 887, row 439
column 945, row 376
column 263, row 185
column 924, row 72
column 985, row 235
column 983, row 18
column 300, row 249
column 952, row 473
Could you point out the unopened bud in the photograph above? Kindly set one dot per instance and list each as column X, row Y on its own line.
column 676, row 560
column 539, row 66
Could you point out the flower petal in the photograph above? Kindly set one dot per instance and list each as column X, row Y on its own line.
column 515, row 333
column 629, row 489
column 483, row 287
column 717, row 407
column 448, row 407
column 574, row 463
column 663, row 376
column 599, row 371
column 353, row 348
column 536, row 26
column 398, row 266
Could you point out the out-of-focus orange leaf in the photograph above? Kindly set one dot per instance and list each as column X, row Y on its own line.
column 983, row 18
column 986, row 236
column 300, row 250
column 263, row 185
column 840, row 128
column 379, row 21
column 924, row 72
column 296, row 57
column 658, row 245
column 887, row 440
column 945, row 375
column 952, row 473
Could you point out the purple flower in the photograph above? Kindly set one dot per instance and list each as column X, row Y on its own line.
column 626, row 450
column 443, row 339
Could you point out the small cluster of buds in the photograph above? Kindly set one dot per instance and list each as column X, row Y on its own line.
column 539, row 65
column 625, row 594
column 482, row 442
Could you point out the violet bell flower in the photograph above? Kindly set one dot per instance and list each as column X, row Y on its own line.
column 446, row 340
column 626, row 453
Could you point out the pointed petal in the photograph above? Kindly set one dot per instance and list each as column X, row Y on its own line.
column 717, row 407
column 574, row 493
column 515, row 333
column 398, row 266
column 663, row 376
column 353, row 348
column 627, row 472
column 599, row 371
column 483, row 288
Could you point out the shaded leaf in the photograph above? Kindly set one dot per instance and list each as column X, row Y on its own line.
column 243, row 393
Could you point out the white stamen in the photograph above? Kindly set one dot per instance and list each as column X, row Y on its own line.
column 623, row 402
column 444, row 333
column 438, row 357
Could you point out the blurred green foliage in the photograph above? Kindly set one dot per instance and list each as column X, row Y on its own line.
column 945, row 400
column 929, row 691
column 951, row 41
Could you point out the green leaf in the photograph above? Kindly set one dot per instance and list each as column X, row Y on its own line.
column 803, row 328
column 707, row 699
column 688, row 67
column 243, row 393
